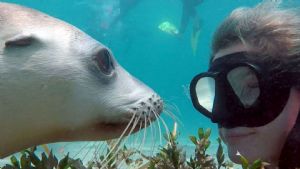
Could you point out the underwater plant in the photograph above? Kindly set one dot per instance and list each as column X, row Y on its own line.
column 257, row 164
column 170, row 156
column 129, row 158
column 173, row 157
column 29, row 160
column 201, row 158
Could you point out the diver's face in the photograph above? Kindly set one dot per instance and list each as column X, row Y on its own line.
column 263, row 142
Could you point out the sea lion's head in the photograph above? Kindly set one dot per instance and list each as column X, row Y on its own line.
column 59, row 84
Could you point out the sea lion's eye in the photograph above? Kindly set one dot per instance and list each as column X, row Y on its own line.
column 104, row 62
column 19, row 41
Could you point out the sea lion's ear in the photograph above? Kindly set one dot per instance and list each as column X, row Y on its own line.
column 20, row 40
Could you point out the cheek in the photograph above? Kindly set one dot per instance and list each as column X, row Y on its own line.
column 253, row 147
column 274, row 134
column 265, row 144
column 269, row 142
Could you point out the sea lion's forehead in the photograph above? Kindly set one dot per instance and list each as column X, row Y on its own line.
column 27, row 19
column 19, row 14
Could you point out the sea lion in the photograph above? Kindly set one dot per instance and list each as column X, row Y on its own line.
column 59, row 84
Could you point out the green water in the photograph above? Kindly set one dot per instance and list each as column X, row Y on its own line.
column 164, row 62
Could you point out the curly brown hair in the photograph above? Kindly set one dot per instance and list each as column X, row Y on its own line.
column 270, row 30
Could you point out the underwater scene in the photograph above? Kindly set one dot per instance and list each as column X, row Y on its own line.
column 163, row 44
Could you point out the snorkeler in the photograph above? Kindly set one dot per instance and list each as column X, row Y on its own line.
column 189, row 11
column 252, row 87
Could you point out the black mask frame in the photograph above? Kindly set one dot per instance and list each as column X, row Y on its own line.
column 274, row 83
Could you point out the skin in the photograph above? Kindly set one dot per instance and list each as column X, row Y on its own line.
column 53, row 90
column 263, row 142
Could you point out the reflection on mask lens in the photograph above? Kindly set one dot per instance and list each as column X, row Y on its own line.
column 244, row 83
column 205, row 89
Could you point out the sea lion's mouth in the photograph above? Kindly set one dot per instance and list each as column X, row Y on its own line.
column 137, row 116
column 126, row 127
column 121, row 126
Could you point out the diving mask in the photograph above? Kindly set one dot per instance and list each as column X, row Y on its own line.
column 239, row 91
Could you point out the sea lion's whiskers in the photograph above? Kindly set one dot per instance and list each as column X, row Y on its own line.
column 165, row 125
column 140, row 122
column 170, row 108
column 136, row 122
column 173, row 116
column 159, row 127
column 120, row 138
column 152, row 129
column 186, row 91
column 101, row 150
column 82, row 148
column 97, row 149
column 169, row 103
column 143, row 122
column 136, row 139
column 153, row 135
column 100, row 147
column 138, row 135
column 88, row 152
column 144, row 135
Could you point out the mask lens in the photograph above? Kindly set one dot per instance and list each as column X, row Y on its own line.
column 244, row 83
column 205, row 90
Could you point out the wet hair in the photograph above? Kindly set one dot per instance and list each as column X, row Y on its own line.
column 274, row 33
column 266, row 27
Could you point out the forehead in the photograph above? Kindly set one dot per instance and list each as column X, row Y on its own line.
column 14, row 15
column 15, row 19
column 239, row 47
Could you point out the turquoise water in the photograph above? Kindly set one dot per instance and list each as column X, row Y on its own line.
column 164, row 62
